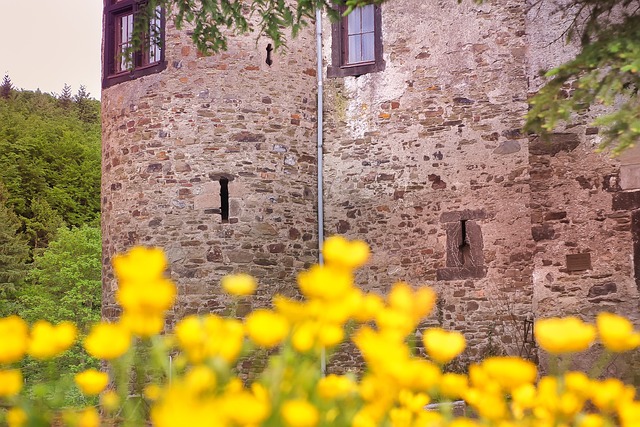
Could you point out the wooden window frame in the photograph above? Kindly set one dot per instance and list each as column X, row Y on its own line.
column 339, row 66
column 113, row 9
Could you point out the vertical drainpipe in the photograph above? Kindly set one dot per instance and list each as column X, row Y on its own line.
column 319, row 117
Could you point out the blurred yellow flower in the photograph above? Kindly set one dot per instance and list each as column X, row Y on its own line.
column 336, row 386
column 91, row 381
column 143, row 325
column 10, row 382
column 239, row 284
column 510, row 372
column 325, row 282
column 152, row 392
column 110, row 401
column 16, row 417
column 140, row 264
column 49, row 341
column 577, row 382
column 107, row 341
column 443, row 346
column 629, row 414
column 453, row 386
column 616, row 333
column 299, row 413
column 340, row 252
column 149, row 298
column 594, row 420
column 88, row 417
column 245, row 409
column 564, row 335
column 15, row 339
column 200, row 379
column 609, row 393
column 266, row 328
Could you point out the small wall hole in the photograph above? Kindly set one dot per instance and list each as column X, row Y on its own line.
column 269, row 61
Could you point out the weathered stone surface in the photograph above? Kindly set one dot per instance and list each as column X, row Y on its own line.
column 556, row 143
column 507, row 147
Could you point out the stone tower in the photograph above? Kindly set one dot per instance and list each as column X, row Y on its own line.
column 214, row 159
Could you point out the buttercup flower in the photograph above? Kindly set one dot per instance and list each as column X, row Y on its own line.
column 443, row 346
column 91, row 381
column 564, row 335
column 299, row 413
column 510, row 372
column 266, row 328
column 239, row 284
column 140, row 264
column 616, row 333
column 16, row 417
column 340, row 252
column 15, row 339
column 10, row 382
column 49, row 341
column 107, row 341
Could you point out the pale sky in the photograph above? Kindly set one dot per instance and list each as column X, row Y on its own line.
column 47, row 43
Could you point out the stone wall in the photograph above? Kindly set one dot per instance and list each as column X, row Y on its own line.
column 425, row 161
column 170, row 138
column 429, row 143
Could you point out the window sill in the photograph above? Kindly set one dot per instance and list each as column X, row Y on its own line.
column 355, row 70
column 126, row 76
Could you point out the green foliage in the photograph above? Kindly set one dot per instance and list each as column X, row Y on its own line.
column 64, row 284
column 6, row 87
column 65, row 280
column 605, row 72
column 50, row 158
column 14, row 252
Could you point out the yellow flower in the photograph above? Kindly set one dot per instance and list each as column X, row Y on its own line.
column 629, row 413
column 15, row 338
column 200, row 379
column 340, row 252
column 616, row 333
column 49, row 341
column 10, row 382
column 564, row 335
column 335, row 387
column 510, row 372
column 110, row 401
column 266, row 328
column 210, row 336
column 148, row 298
column 594, row 420
column 610, row 393
column 107, row 341
column 443, row 346
column 89, row 417
column 245, row 409
column 239, row 284
column 299, row 413
column 140, row 264
column 577, row 383
column 142, row 324
column 16, row 417
column 453, row 386
column 152, row 392
column 91, row 381
column 325, row 282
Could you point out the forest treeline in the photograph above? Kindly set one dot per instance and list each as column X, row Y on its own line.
column 50, row 246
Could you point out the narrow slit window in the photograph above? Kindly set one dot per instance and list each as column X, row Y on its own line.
column 224, row 199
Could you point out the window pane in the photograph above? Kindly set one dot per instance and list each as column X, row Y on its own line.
column 367, row 18
column 354, row 22
column 154, row 37
column 355, row 49
column 124, row 28
column 368, row 47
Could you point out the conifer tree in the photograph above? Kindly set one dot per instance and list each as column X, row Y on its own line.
column 86, row 112
column 14, row 252
column 6, row 87
column 65, row 99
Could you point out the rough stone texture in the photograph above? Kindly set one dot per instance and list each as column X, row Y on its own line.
column 170, row 137
column 410, row 154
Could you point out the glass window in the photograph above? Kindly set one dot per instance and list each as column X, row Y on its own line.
column 357, row 43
